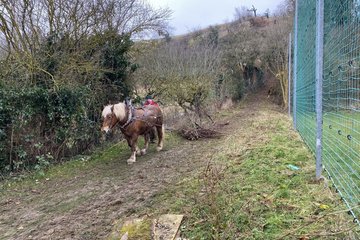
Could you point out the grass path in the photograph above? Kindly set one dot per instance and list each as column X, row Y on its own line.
column 236, row 187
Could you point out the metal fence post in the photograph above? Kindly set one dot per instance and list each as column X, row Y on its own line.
column 295, row 60
column 319, row 82
column 289, row 76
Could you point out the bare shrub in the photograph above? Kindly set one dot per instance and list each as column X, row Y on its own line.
column 189, row 129
column 212, row 201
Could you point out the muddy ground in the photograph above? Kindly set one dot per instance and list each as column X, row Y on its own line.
column 86, row 205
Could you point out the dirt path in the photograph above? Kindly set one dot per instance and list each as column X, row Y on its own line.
column 86, row 205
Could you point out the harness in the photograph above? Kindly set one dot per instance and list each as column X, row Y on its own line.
column 131, row 116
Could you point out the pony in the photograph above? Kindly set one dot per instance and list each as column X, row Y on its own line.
column 134, row 122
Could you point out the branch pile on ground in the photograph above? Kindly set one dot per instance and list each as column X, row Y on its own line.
column 196, row 132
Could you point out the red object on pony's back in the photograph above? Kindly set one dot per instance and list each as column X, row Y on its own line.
column 150, row 102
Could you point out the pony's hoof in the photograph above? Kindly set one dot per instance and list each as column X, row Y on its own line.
column 143, row 151
column 130, row 161
column 159, row 149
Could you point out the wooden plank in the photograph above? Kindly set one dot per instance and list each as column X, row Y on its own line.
column 166, row 226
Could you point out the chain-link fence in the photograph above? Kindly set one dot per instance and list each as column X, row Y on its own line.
column 332, row 129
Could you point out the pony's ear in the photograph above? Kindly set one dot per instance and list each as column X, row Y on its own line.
column 127, row 101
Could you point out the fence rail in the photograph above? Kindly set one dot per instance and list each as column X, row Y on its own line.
column 326, row 91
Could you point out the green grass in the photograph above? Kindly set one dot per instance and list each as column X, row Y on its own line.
column 67, row 169
column 108, row 154
column 249, row 192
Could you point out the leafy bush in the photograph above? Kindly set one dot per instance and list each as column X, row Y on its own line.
column 40, row 126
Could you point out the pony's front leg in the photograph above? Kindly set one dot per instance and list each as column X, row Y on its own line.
column 132, row 158
column 146, row 143
column 133, row 145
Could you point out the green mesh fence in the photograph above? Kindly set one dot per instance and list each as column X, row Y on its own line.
column 305, row 84
column 341, row 98
column 341, row 92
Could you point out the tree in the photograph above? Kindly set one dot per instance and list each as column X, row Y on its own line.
column 276, row 54
column 25, row 24
column 253, row 9
column 243, row 47
column 183, row 72
column 61, row 60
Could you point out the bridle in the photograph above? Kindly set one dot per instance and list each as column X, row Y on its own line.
column 129, row 110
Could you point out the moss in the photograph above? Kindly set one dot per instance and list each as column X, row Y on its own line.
column 136, row 229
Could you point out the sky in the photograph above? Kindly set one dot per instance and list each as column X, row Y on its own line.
column 189, row 15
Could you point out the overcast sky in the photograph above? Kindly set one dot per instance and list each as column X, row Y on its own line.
column 193, row 14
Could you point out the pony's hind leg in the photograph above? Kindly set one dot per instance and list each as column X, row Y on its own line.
column 146, row 143
column 161, row 134
column 138, row 151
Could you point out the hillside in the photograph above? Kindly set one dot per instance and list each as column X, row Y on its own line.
column 234, row 26
column 221, row 61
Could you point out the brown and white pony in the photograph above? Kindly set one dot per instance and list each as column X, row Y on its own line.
column 134, row 122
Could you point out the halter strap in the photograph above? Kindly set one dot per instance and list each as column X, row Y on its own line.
column 130, row 118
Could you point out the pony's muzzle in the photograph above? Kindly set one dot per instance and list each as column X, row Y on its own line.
column 106, row 130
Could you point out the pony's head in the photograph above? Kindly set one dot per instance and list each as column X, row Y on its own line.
column 111, row 115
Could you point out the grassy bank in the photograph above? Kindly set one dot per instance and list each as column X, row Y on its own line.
column 259, row 185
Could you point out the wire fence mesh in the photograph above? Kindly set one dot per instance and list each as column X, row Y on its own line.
column 305, row 84
column 341, row 92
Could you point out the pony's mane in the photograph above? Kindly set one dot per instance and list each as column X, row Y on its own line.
column 119, row 110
